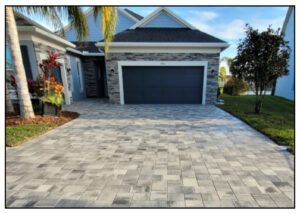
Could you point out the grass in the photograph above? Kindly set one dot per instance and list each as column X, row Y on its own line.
column 276, row 120
column 16, row 135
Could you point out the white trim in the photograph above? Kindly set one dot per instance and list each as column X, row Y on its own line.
column 35, row 24
column 80, row 76
column 40, row 32
column 162, row 63
column 84, row 53
column 164, row 50
column 155, row 13
column 166, row 44
column 161, row 47
column 128, row 14
column 65, row 81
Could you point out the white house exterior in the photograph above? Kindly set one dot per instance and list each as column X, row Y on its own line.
column 285, row 86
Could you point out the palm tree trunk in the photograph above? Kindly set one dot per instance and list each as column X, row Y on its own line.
column 26, row 109
column 8, row 104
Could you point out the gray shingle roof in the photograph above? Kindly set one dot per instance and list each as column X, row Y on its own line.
column 164, row 35
column 86, row 46
column 137, row 16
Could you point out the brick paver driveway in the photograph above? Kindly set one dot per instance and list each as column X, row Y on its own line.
column 149, row 156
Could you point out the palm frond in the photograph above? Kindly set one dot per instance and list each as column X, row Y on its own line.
column 49, row 14
column 96, row 12
column 78, row 22
column 109, row 21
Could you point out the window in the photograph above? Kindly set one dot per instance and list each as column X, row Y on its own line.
column 8, row 59
column 26, row 61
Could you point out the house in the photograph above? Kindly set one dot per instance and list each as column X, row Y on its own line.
column 157, row 59
column 285, row 85
column 160, row 58
column 36, row 42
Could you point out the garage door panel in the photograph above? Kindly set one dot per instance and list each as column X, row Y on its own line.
column 152, row 95
column 150, row 78
column 163, row 84
column 133, row 78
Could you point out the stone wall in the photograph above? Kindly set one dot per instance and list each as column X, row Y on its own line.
column 90, row 77
column 113, row 78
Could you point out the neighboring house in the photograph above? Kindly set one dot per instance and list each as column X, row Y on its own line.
column 163, row 59
column 36, row 42
column 285, row 85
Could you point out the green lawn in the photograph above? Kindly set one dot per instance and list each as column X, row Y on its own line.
column 276, row 120
column 16, row 135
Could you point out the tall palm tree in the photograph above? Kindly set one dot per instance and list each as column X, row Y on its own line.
column 52, row 15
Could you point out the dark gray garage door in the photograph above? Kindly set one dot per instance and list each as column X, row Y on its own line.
column 163, row 85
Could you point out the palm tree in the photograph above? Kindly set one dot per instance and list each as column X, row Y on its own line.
column 52, row 15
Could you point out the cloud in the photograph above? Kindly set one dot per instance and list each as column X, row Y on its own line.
column 263, row 24
column 205, row 15
column 202, row 25
column 231, row 31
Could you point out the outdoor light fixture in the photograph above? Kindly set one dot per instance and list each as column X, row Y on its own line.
column 212, row 71
column 112, row 70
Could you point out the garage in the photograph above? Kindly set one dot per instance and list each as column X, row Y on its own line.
column 163, row 84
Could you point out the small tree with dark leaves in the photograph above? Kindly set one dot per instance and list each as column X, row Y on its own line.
column 261, row 58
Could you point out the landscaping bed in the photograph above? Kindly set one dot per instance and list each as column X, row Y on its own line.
column 18, row 129
column 276, row 120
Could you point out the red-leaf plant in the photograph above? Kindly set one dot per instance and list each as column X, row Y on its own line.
column 47, row 66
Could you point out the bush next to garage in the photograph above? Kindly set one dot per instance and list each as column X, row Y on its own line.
column 235, row 86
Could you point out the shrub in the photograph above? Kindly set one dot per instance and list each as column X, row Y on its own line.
column 53, row 92
column 220, row 91
column 235, row 86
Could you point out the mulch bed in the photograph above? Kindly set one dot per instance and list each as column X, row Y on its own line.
column 65, row 116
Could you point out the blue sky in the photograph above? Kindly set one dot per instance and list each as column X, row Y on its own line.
column 226, row 23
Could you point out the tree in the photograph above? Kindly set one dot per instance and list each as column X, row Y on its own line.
column 222, row 74
column 52, row 15
column 261, row 58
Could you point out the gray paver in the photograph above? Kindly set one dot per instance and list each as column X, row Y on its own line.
column 149, row 156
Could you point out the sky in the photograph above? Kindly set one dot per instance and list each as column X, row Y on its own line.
column 226, row 23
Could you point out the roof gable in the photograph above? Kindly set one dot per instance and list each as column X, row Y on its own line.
column 124, row 22
column 164, row 18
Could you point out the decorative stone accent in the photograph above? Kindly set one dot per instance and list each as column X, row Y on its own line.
column 90, row 77
column 113, row 78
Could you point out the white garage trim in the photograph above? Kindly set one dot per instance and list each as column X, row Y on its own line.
column 161, row 63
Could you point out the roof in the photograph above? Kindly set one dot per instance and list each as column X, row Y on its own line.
column 159, row 11
column 287, row 18
column 137, row 16
column 22, row 20
column 87, row 47
column 184, row 35
column 25, row 24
